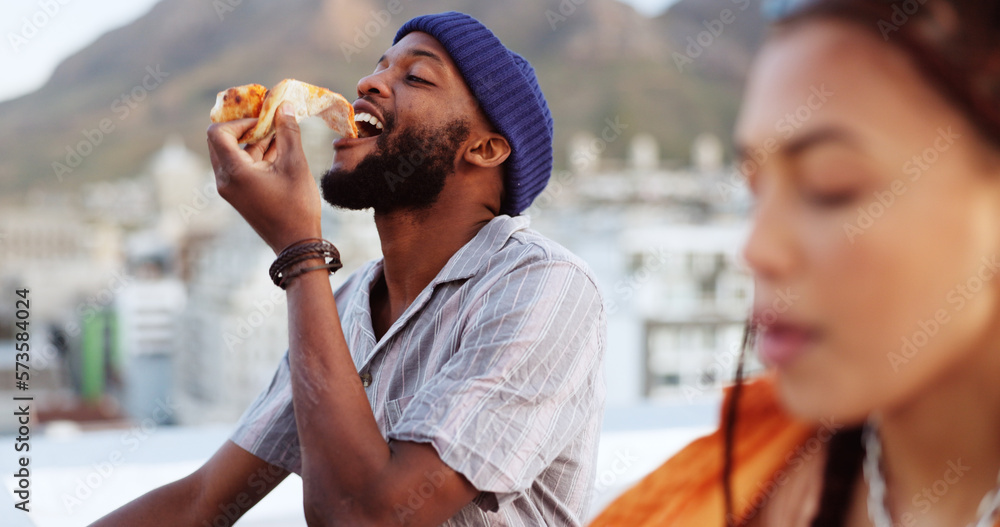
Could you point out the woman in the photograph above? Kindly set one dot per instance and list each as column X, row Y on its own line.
column 870, row 134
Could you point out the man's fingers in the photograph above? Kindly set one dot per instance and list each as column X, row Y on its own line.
column 272, row 153
column 288, row 137
column 214, row 158
column 231, row 129
column 224, row 149
column 258, row 149
column 223, row 138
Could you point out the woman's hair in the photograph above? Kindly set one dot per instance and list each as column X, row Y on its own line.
column 843, row 463
column 955, row 44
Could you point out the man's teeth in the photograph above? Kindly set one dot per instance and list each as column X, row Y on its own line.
column 365, row 117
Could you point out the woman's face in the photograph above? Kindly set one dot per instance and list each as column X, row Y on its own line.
column 876, row 236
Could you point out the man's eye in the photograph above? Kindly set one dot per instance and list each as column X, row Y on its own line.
column 414, row 78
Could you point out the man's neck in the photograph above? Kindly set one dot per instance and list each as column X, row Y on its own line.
column 417, row 245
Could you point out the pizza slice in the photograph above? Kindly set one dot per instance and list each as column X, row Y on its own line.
column 253, row 100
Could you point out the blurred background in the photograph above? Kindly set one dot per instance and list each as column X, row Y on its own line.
column 153, row 321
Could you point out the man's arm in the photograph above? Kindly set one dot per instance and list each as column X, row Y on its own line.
column 226, row 486
column 350, row 474
column 371, row 485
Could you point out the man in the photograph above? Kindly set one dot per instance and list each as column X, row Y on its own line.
column 457, row 380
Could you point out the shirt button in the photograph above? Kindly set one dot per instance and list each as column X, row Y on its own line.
column 366, row 379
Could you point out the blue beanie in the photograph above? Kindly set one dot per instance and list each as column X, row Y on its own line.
column 506, row 87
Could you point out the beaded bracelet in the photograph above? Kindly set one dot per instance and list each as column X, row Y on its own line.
column 301, row 251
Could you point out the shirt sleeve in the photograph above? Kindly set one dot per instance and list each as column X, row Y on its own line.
column 267, row 428
column 525, row 382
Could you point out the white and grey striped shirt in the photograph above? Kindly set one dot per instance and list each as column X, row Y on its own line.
column 497, row 363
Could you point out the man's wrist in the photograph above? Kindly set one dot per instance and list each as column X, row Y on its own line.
column 288, row 241
column 298, row 266
column 301, row 271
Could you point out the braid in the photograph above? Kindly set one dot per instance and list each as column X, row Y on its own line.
column 843, row 463
column 729, row 426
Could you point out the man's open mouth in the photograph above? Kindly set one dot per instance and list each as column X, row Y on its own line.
column 368, row 125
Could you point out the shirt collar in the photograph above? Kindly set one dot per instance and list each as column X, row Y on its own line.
column 468, row 260
column 464, row 264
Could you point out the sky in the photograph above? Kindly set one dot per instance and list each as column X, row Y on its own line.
column 39, row 34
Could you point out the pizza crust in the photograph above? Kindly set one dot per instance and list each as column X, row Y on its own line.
column 253, row 100
column 239, row 102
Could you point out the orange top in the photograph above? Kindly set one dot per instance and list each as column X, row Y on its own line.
column 687, row 489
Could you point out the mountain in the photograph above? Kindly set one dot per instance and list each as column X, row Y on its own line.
column 107, row 108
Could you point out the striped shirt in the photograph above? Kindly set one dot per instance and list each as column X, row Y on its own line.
column 497, row 363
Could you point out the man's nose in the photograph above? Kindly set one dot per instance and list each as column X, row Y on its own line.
column 373, row 85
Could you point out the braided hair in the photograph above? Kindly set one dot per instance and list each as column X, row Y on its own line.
column 843, row 461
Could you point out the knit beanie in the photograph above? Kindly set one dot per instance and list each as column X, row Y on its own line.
column 505, row 85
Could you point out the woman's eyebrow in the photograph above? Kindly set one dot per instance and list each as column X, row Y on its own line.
column 797, row 145
column 820, row 137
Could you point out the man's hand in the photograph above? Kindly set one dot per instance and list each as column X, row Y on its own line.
column 268, row 183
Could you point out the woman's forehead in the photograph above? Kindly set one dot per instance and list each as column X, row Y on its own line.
column 834, row 69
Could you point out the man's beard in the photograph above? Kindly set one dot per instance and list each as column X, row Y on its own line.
column 406, row 171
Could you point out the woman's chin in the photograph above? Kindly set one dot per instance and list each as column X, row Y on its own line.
column 815, row 399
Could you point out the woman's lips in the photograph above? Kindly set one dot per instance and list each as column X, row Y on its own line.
column 780, row 344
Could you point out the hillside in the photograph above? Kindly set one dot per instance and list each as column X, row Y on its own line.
column 108, row 107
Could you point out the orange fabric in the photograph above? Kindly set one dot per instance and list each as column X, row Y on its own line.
column 687, row 489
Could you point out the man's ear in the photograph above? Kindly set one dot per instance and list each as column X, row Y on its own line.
column 488, row 150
